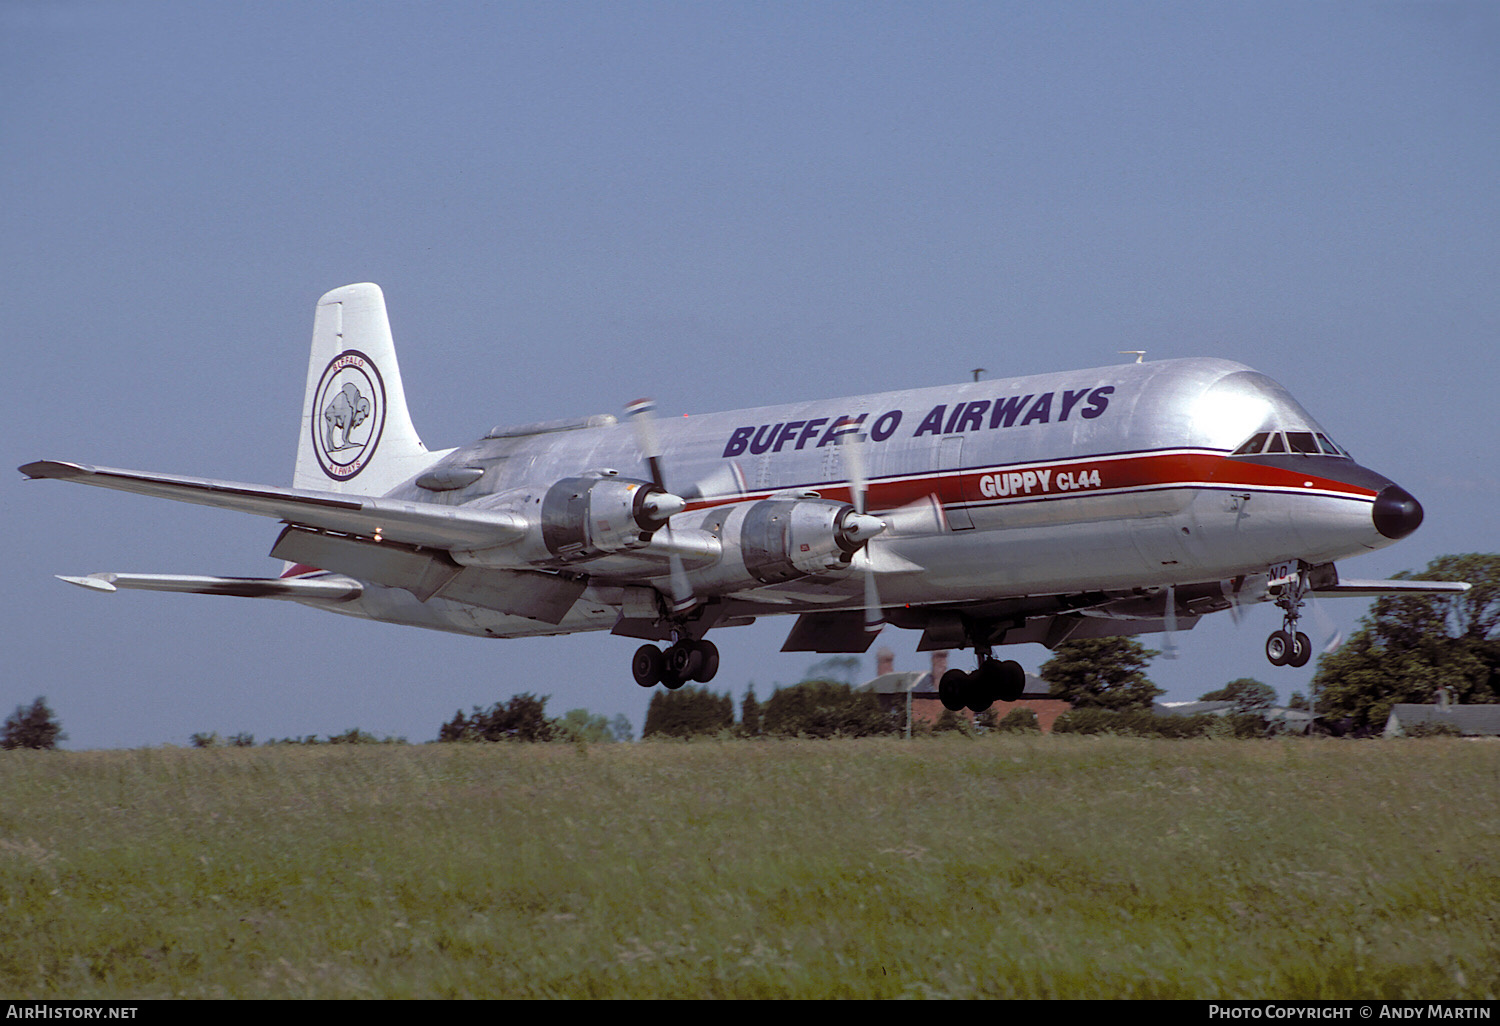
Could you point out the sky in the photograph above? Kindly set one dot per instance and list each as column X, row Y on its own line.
column 720, row 205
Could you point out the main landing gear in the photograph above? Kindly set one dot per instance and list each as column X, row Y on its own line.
column 684, row 660
column 1289, row 646
column 994, row 681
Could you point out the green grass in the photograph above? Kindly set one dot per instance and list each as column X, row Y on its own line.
column 1005, row 866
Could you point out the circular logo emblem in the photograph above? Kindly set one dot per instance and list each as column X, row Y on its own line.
column 348, row 414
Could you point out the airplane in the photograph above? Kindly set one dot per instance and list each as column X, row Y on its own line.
column 1082, row 504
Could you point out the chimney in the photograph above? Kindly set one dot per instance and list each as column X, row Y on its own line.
column 885, row 662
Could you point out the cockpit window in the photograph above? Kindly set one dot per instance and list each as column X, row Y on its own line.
column 1307, row 443
column 1254, row 445
column 1303, row 442
column 1329, row 447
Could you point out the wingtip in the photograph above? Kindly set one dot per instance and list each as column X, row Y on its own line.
column 40, row 469
column 93, row 582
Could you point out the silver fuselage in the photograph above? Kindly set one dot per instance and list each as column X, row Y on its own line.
column 1094, row 481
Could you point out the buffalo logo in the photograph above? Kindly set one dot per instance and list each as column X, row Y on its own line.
column 348, row 414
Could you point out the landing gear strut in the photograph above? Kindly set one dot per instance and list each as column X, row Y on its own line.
column 685, row 660
column 1289, row 646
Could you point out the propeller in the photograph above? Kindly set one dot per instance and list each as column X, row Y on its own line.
column 860, row 526
column 1333, row 637
column 1169, row 645
column 661, row 504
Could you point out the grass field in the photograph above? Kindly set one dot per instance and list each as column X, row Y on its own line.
column 949, row 867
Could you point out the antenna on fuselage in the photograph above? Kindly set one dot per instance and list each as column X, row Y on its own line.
column 977, row 371
column 1139, row 354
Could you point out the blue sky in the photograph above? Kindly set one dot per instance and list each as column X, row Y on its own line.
column 720, row 205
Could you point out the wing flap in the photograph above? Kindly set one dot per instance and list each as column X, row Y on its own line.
column 414, row 523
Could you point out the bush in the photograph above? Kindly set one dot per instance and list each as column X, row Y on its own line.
column 1018, row 721
column 1138, row 723
column 820, row 708
column 1433, row 730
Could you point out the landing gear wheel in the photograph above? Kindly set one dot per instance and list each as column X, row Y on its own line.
column 708, row 656
column 953, row 690
column 1010, row 681
column 983, row 685
column 1279, row 648
column 647, row 666
column 1301, row 650
column 684, row 661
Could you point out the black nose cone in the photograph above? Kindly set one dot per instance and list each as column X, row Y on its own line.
column 1396, row 513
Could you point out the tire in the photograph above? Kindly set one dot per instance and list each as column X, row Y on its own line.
column 1011, row 681
column 952, row 689
column 1301, row 650
column 684, row 662
column 647, row 666
column 1279, row 648
column 708, row 661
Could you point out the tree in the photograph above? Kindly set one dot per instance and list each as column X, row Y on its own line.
column 32, row 728
column 1104, row 673
column 750, row 713
column 838, row 668
column 687, row 712
column 1408, row 647
column 1248, row 695
column 582, row 725
column 523, row 718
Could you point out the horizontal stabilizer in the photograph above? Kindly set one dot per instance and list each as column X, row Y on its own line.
column 332, row 590
column 1369, row 588
column 414, row 523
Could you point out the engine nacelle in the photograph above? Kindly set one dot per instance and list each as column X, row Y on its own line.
column 577, row 519
column 776, row 540
column 782, row 540
column 587, row 517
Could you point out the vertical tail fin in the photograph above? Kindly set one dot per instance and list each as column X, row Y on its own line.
column 356, row 435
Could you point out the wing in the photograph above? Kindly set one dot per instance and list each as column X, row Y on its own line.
column 1369, row 588
column 414, row 523
column 329, row 589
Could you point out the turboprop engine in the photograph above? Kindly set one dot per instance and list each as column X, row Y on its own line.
column 577, row 519
column 776, row 540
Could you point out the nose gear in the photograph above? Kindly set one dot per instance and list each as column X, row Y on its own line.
column 1289, row 646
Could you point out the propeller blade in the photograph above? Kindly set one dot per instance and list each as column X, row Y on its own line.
column 874, row 612
column 925, row 516
column 851, row 448
column 1333, row 637
column 662, row 505
column 860, row 527
column 1169, row 645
